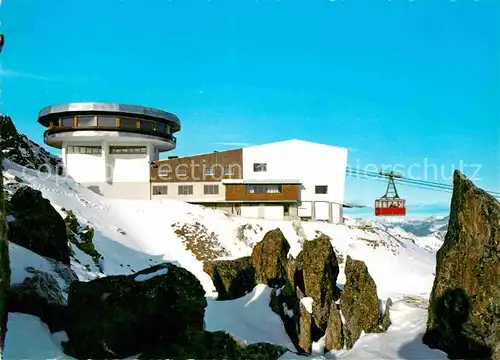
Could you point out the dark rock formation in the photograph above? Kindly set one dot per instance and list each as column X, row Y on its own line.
column 305, row 329
column 213, row 345
column 269, row 259
column 316, row 275
column 4, row 264
column 19, row 149
column 82, row 237
column 37, row 225
column 464, row 307
column 120, row 316
column 334, row 339
column 232, row 278
column 41, row 296
column 386, row 316
column 359, row 301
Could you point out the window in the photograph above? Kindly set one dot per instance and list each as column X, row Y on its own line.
column 160, row 189
column 259, row 167
column 228, row 170
column 263, row 189
column 68, row 122
column 91, row 150
column 87, row 120
column 211, row 189
column 163, row 171
column 127, row 150
column 106, row 120
column 321, row 189
column 209, row 172
column 128, row 123
column 160, row 128
column 181, row 170
column 147, row 125
column 185, row 190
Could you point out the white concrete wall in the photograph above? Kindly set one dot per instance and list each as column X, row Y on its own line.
column 313, row 164
column 116, row 175
column 85, row 167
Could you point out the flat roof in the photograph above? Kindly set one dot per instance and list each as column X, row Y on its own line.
column 55, row 111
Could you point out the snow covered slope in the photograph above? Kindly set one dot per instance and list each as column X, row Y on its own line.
column 134, row 234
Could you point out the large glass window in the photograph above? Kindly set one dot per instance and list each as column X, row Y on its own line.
column 147, row 125
column 185, row 190
column 263, row 189
column 106, row 120
column 128, row 123
column 160, row 189
column 68, row 121
column 160, row 128
column 211, row 189
column 87, row 120
column 128, row 150
column 90, row 150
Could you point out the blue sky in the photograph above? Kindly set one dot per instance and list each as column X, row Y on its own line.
column 397, row 82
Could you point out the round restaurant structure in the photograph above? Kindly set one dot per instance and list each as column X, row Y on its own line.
column 109, row 147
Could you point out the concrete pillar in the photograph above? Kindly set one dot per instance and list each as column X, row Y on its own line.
column 108, row 171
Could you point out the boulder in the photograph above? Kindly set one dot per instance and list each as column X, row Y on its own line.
column 269, row 259
column 386, row 316
column 232, row 278
column 4, row 264
column 40, row 295
column 464, row 306
column 125, row 315
column 333, row 338
column 37, row 225
column 316, row 272
column 359, row 302
column 305, row 327
column 213, row 345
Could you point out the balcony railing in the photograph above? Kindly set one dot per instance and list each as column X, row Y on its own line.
column 58, row 130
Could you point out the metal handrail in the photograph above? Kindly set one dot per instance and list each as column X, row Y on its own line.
column 56, row 130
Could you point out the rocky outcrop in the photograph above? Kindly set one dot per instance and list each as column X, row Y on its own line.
column 82, row 237
column 40, row 295
column 359, row 302
column 37, row 225
column 213, row 345
column 269, row 259
column 4, row 264
column 232, row 278
column 120, row 316
column 464, row 306
column 316, row 275
column 19, row 149
column 333, row 338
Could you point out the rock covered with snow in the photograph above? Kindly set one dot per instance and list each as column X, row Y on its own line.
column 4, row 265
column 464, row 307
column 232, row 278
column 40, row 295
column 37, row 225
column 359, row 302
column 19, row 149
column 120, row 316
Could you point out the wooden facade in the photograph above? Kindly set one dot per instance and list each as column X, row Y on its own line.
column 223, row 165
column 239, row 192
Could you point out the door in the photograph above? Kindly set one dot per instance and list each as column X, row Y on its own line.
column 322, row 210
column 305, row 209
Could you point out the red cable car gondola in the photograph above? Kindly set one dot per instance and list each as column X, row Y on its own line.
column 390, row 204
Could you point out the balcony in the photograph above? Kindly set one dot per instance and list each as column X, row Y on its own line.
column 167, row 137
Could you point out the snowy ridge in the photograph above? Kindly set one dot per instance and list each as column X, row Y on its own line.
column 133, row 235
